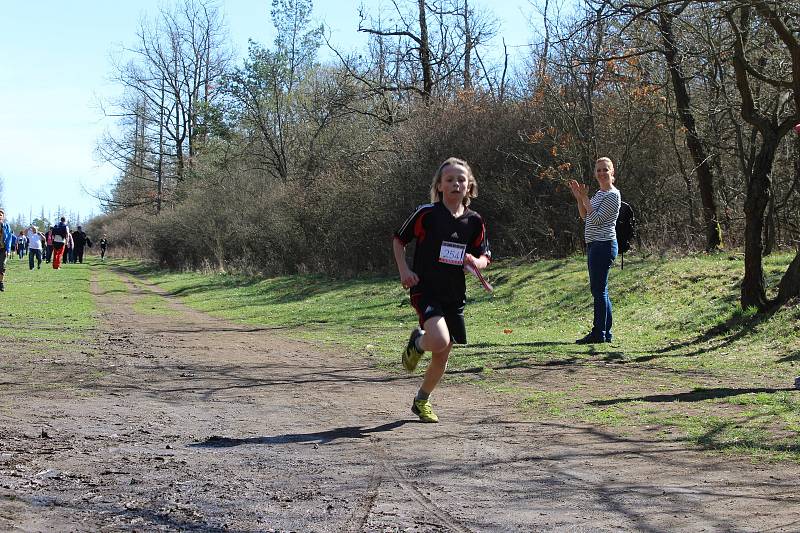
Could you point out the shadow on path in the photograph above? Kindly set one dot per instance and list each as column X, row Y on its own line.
column 321, row 437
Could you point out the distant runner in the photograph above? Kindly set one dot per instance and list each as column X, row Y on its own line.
column 5, row 246
column 103, row 247
column 60, row 234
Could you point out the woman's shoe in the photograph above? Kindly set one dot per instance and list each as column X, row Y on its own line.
column 590, row 339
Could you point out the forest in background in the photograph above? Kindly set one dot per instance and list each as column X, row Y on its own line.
column 286, row 163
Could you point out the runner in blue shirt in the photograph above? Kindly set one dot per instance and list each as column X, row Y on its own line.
column 5, row 247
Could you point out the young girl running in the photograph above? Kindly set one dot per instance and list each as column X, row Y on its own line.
column 450, row 237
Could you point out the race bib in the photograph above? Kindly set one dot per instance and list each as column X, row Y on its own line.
column 452, row 253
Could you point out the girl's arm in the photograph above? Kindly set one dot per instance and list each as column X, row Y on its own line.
column 407, row 277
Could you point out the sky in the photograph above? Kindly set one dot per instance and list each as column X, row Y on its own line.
column 55, row 68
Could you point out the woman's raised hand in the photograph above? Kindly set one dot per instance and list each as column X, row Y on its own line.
column 578, row 189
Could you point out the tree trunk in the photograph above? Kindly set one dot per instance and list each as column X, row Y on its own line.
column 789, row 286
column 769, row 225
column 754, row 292
column 425, row 53
column 705, row 177
column 467, row 49
column 160, row 169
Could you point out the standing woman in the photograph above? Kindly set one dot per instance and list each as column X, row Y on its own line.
column 600, row 215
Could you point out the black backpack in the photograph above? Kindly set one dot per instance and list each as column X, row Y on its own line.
column 626, row 229
column 60, row 229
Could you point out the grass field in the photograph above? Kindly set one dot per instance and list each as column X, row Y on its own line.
column 45, row 304
column 686, row 364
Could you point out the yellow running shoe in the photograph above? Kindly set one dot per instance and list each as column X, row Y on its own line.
column 412, row 355
column 424, row 410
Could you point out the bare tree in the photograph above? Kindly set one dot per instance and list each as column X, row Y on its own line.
column 756, row 25
column 702, row 160
column 170, row 83
column 435, row 45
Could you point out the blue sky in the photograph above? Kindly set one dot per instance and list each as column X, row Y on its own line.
column 54, row 70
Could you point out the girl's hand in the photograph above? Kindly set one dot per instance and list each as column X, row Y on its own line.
column 469, row 260
column 476, row 263
column 408, row 279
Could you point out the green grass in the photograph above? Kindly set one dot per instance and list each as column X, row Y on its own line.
column 549, row 403
column 687, row 363
column 46, row 304
column 110, row 283
column 678, row 314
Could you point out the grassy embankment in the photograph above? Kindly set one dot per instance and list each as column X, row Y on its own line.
column 687, row 364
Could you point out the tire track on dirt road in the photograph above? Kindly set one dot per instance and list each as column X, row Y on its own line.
column 384, row 471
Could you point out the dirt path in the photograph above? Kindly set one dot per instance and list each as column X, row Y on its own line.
column 185, row 422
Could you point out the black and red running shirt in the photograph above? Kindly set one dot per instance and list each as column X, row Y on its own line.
column 442, row 239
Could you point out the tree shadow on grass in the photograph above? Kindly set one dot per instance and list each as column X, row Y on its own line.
column 320, row 437
column 789, row 358
column 737, row 327
column 697, row 395
column 714, row 439
column 537, row 344
column 523, row 355
column 111, row 291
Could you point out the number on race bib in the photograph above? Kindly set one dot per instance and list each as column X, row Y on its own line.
column 452, row 253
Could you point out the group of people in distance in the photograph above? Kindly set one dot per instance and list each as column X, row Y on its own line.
column 56, row 245
column 451, row 238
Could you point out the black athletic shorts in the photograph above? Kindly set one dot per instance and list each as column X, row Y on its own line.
column 453, row 315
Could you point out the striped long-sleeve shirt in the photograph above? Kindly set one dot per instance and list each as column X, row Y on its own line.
column 601, row 221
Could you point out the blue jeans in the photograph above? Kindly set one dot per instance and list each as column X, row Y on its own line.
column 600, row 256
column 33, row 253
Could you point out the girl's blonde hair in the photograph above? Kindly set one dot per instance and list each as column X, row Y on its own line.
column 472, row 183
column 606, row 159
